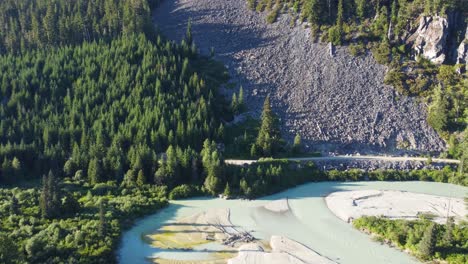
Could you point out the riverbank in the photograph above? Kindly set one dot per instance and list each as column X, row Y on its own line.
column 305, row 219
column 394, row 205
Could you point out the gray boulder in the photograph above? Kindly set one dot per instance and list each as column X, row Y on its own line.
column 430, row 39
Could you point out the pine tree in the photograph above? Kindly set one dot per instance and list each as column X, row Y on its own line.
column 268, row 135
column 141, row 178
column 94, row 171
column 14, row 206
column 234, row 104
column 361, row 9
column 448, row 235
column 49, row 201
column 240, row 99
column 428, row 241
column 313, row 11
column 297, row 144
column 17, row 168
column 227, row 191
column 463, row 167
column 211, row 161
column 102, row 228
column 339, row 16
column 188, row 34
column 44, row 199
column 437, row 111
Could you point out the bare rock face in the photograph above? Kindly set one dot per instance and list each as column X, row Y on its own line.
column 430, row 39
column 336, row 103
column 462, row 50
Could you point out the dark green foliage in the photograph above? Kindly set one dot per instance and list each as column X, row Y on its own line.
column 268, row 139
column 269, row 176
column 50, row 196
column 212, row 163
column 463, row 167
column 271, row 18
column 9, row 253
column 103, row 109
column 14, row 206
column 334, row 35
column 297, row 145
column 448, row 235
column 428, row 242
column 437, row 112
column 76, row 238
column 42, row 24
column 102, row 227
column 184, row 191
column 422, row 238
column 227, row 191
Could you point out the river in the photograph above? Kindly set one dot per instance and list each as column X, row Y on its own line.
column 310, row 223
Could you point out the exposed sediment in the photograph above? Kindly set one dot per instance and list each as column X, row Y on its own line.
column 351, row 205
column 335, row 102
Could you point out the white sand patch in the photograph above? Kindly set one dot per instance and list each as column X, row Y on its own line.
column 349, row 205
column 284, row 251
column 277, row 206
column 251, row 247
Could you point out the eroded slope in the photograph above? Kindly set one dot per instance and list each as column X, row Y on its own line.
column 332, row 102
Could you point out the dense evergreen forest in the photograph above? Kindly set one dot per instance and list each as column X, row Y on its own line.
column 100, row 110
column 107, row 113
column 28, row 24
column 102, row 119
column 423, row 238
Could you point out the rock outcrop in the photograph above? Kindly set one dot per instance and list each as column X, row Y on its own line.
column 430, row 39
column 337, row 103
column 462, row 51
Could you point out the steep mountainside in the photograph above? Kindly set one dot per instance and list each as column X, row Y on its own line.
column 333, row 101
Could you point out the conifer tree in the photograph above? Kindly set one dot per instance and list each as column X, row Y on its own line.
column 49, row 200
column 14, row 206
column 448, row 235
column 234, row 103
column 227, row 191
column 94, row 171
column 188, row 34
column 240, row 98
column 268, row 135
column 437, row 111
column 102, row 228
column 140, row 178
column 297, row 144
column 428, row 241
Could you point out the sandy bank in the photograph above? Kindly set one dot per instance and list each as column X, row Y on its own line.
column 283, row 251
column 350, row 205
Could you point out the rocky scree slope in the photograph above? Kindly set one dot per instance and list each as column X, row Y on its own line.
column 336, row 103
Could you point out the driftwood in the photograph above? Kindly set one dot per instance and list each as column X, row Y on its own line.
column 235, row 236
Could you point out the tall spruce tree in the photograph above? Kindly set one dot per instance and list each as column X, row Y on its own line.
column 428, row 242
column 50, row 196
column 102, row 228
column 268, row 135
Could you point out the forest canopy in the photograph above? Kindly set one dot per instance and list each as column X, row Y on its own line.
column 101, row 109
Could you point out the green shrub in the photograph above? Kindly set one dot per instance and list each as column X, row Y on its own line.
column 334, row 35
column 271, row 18
column 184, row 191
column 357, row 49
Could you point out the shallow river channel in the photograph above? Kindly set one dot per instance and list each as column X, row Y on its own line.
column 310, row 223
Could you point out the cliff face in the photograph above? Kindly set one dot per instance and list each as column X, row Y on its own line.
column 436, row 39
column 334, row 102
column 431, row 38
